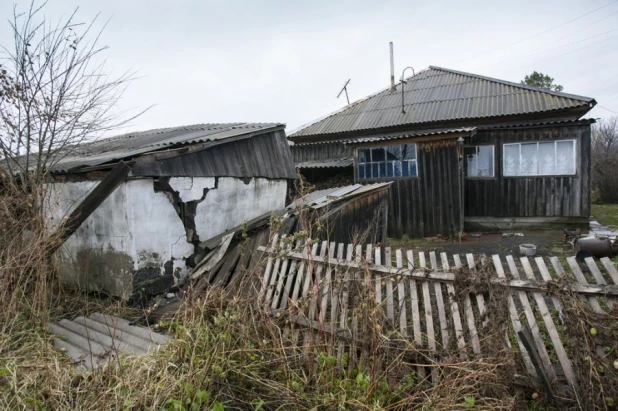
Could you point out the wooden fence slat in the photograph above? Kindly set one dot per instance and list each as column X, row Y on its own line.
column 474, row 336
column 304, row 281
column 390, row 305
column 344, row 303
column 298, row 283
column 378, row 277
column 289, row 278
column 314, row 277
column 325, row 289
column 514, row 319
column 335, row 282
column 317, row 283
column 431, row 336
column 551, row 327
column 281, row 276
column 401, row 296
column 416, row 316
column 534, row 328
column 459, row 335
column 596, row 273
column 275, row 274
column 480, row 299
column 579, row 276
column 611, row 269
column 269, row 267
column 440, row 302
column 540, row 263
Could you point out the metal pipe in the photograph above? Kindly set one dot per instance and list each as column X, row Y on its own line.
column 403, row 110
column 392, row 66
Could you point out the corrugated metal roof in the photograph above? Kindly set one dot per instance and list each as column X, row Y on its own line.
column 131, row 144
column 321, row 198
column 342, row 162
column 439, row 94
column 398, row 136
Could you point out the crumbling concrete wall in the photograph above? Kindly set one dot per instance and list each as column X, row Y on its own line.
column 143, row 237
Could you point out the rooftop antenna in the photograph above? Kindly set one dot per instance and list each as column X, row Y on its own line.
column 392, row 66
column 345, row 88
column 403, row 109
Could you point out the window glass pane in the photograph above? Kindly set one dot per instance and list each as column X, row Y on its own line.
column 511, row 160
column 389, row 169
column 374, row 171
column 393, row 152
column 361, row 171
column 413, row 168
column 485, row 161
column 382, row 169
column 547, row 158
column 377, row 154
column 363, row 156
column 529, row 165
column 405, row 168
column 409, row 151
column 471, row 161
column 565, row 157
column 397, row 166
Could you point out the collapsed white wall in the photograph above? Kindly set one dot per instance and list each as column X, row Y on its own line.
column 137, row 229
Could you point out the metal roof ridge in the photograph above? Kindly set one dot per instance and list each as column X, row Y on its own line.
column 523, row 86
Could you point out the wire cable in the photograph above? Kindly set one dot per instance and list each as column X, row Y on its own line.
column 537, row 34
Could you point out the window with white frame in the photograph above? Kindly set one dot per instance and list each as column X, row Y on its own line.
column 387, row 162
column 479, row 161
column 539, row 159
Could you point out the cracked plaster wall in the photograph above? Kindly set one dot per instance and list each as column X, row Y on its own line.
column 137, row 228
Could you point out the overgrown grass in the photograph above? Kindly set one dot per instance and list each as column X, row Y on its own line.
column 606, row 214
column 231, row 353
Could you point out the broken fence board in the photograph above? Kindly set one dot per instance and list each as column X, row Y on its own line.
column 440, row 303
column 551, row 327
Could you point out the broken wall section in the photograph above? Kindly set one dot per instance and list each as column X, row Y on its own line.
column 143, row 237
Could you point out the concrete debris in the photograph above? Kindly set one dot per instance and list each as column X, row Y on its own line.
column 92, row 341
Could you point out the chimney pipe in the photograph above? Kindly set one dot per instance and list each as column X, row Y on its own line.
column 392, row 67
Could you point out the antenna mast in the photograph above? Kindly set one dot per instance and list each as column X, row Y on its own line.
column 345, row 88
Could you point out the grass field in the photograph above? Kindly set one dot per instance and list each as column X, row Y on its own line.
column 606, row 214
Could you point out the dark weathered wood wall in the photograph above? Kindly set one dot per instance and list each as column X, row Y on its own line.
column 311, row 152
column 551, row 196
column 266, row 155
column 360, row 220
column 429, row 204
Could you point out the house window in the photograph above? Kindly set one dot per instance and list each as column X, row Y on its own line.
column 540, row 159
column 479, row 161
column 387, row 162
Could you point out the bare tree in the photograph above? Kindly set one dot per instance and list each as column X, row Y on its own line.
column 605, row 160
column 55, row 93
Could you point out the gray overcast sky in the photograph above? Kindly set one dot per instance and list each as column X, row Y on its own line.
column 232, row 60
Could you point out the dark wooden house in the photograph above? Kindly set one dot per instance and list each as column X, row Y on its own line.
column 464, row 152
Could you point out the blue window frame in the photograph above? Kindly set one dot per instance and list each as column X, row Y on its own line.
column 396, row 161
